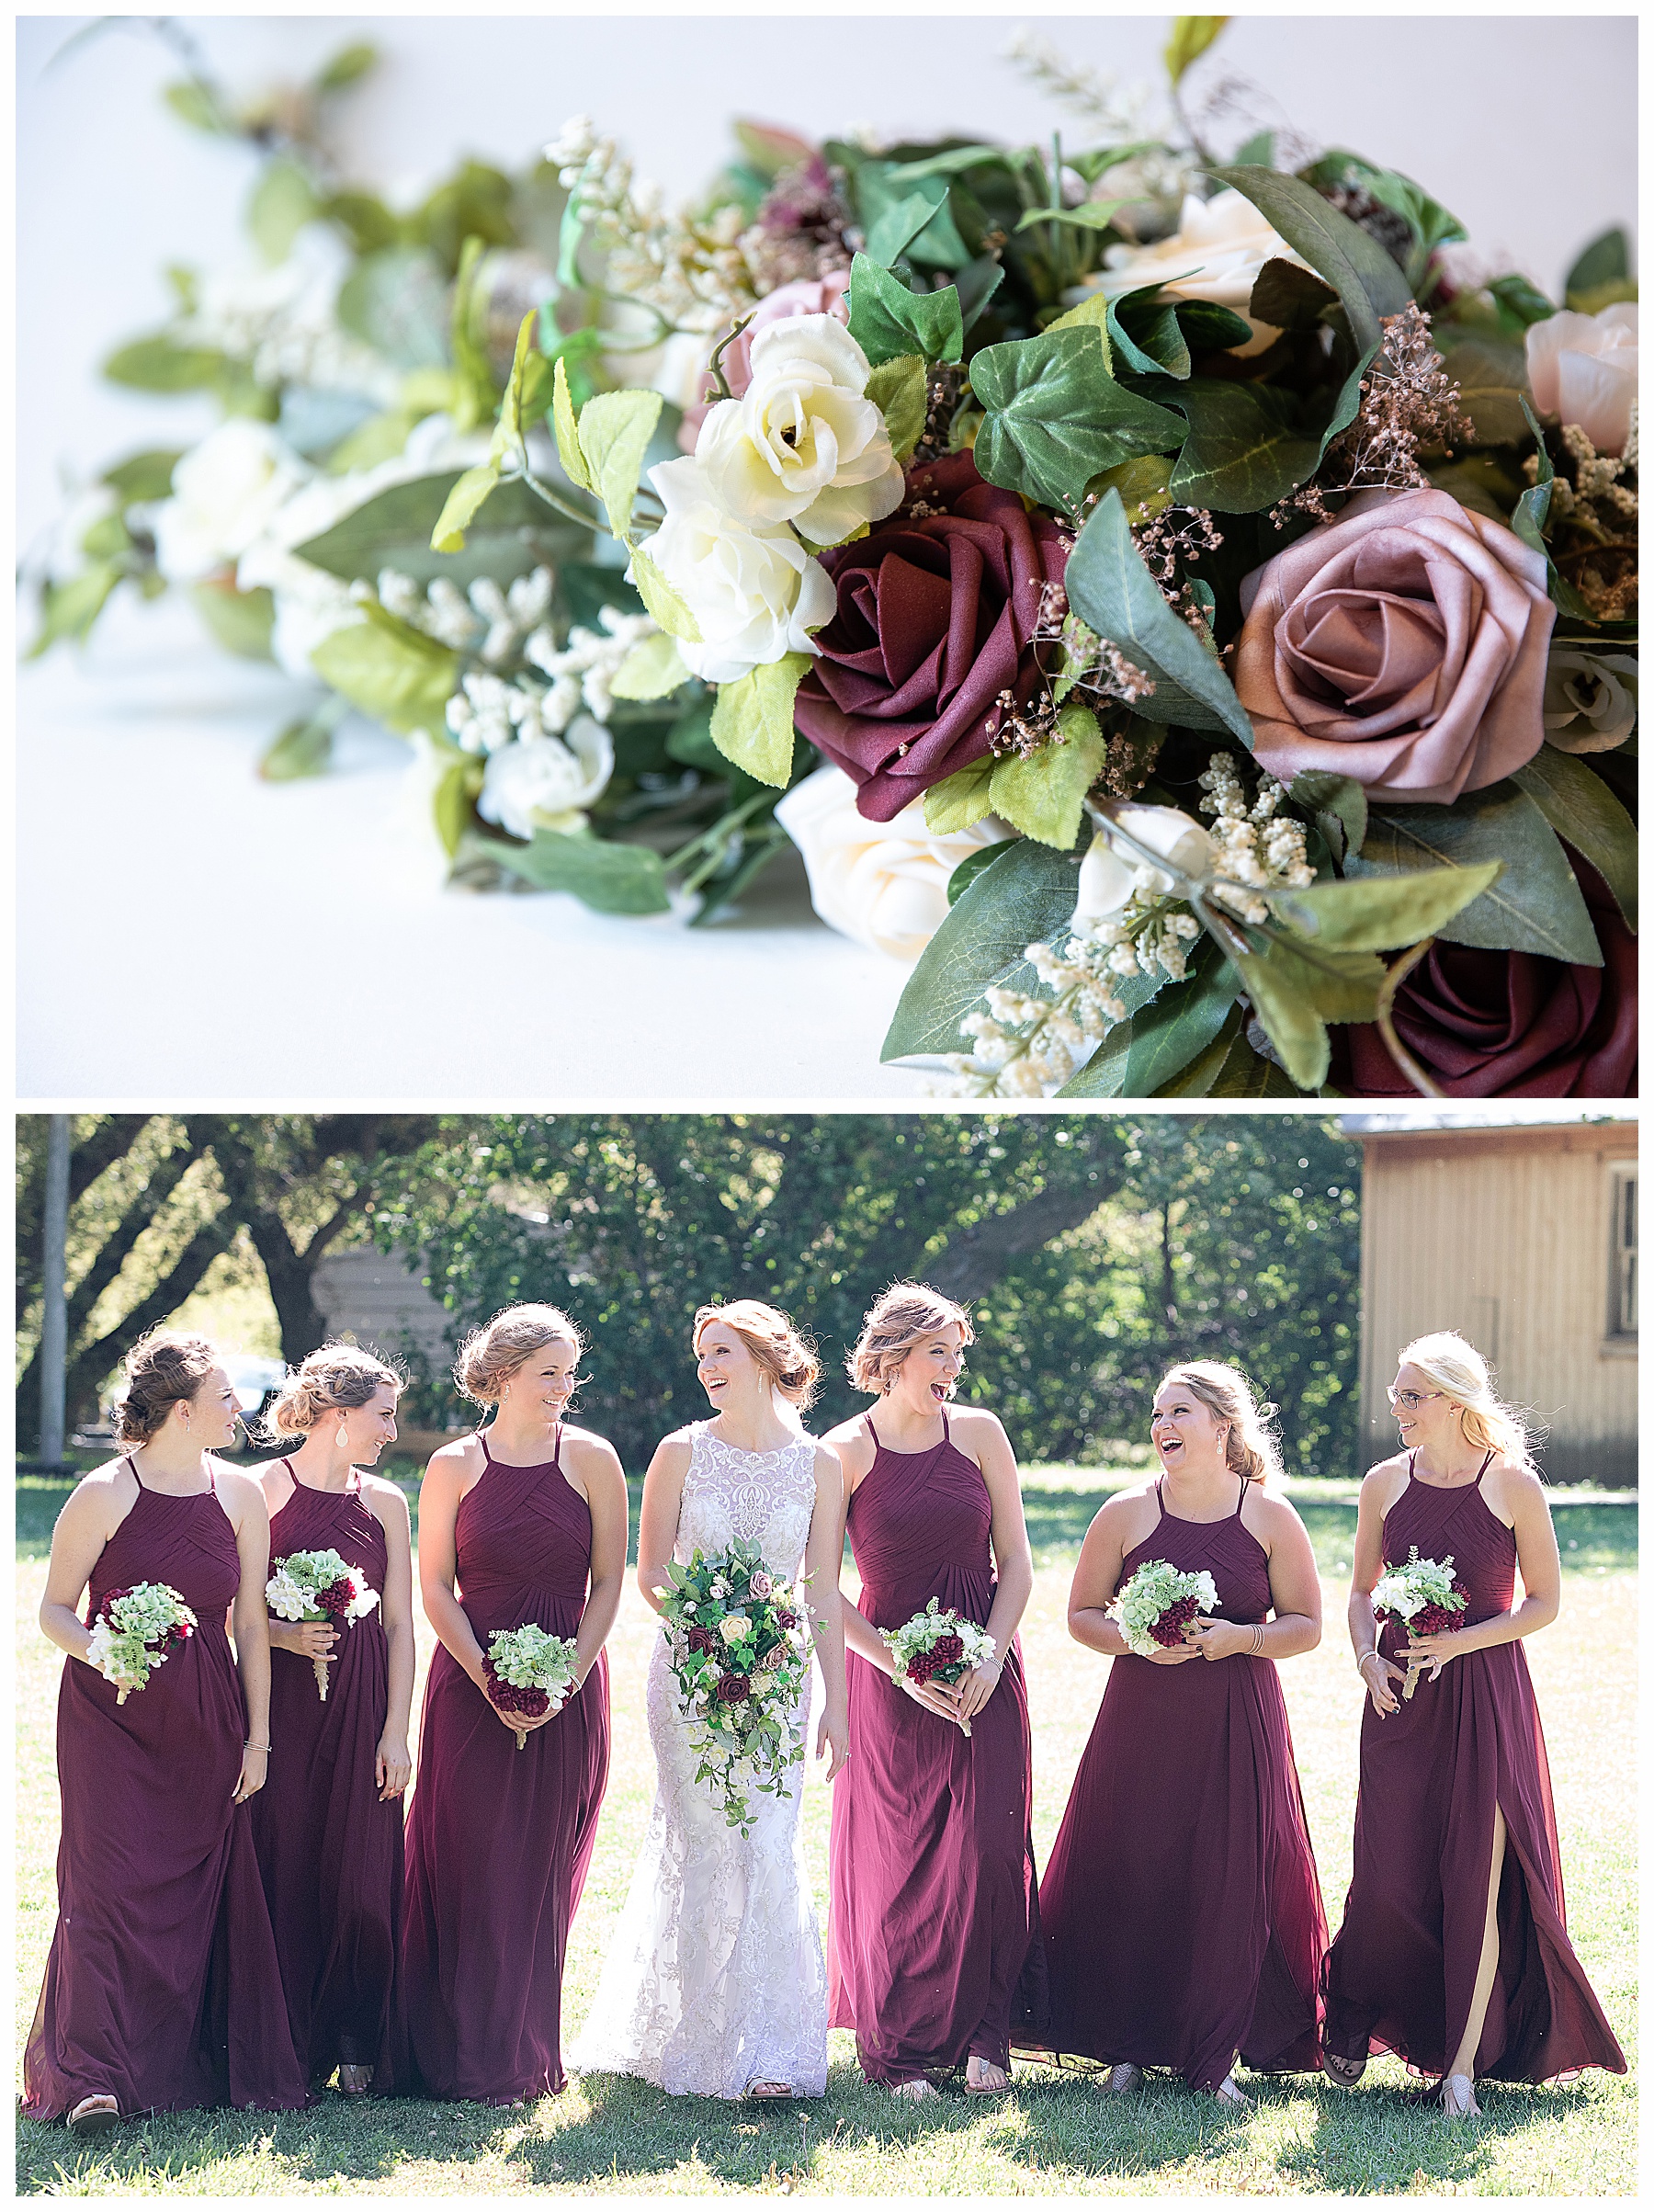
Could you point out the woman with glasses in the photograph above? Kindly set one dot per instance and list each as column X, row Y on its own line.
column 1452, row 1952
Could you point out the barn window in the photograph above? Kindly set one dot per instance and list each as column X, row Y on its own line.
column 1621, row 1279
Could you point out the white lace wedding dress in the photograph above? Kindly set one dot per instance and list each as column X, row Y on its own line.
column 715, row 1978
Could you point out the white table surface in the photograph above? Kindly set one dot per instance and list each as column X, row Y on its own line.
column 187, row 932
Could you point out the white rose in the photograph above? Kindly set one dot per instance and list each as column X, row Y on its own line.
column 1109, row 874
column 803, row 444
column 733, row 1626
column 1583, row 370
column 543, row 783
column 1590, row 699
column 224, row 493
column 1216, row 253
column 883, row 883
column 754, row 591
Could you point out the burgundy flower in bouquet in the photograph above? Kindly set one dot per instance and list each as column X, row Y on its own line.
column 937, row 610
column 733, row 1689
column 1168, row 1629
column 947, row 1651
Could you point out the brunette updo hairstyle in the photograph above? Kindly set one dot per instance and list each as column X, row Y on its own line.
column 334, row 1379
column 1252, row 1450
column 1459, row 1371
column 899, row 1318
column 160, row 1368
column 491, row 1354
column 786, row 1357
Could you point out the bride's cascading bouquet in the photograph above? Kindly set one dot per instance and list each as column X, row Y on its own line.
column 938, row 1645
column 526, row 1669
column 1185, row 604
column 1158, row 1602
column 135, row 1629
column 1425, row 1596
column 319, row 1585
column 737, row 1642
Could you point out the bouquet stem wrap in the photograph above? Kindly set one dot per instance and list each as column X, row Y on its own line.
column 319, row 1585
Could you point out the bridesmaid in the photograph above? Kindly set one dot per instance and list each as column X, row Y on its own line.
column 1452, row 1952
column 329, row 1827
column 162, row 1990
column 1182, row 1914
column 933, row 1938
column 525, row 1521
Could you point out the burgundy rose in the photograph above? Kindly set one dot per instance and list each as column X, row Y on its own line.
column 337, row 1599
column 947, row 1650
column 785, row 1620
column 702, row 1640
column 937, row 608
column 1168, row 1630
column 733, row 1689
column 1513, row 1024
column 511, row 1697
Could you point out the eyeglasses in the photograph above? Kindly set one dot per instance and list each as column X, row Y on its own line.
column 1410, row 1401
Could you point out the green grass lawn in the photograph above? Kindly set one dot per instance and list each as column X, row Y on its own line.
column 1055, row 2135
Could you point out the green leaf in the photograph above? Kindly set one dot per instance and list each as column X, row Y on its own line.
column 1243, row 452
column 897, row 390
column 1196, row 1079
column 971, row 866
column 976, row 284
column 393, row 529
column 69, row 609
column 303, row 748
column 1296, row 994
column 1148, row 339
column 885, row 207
column 1056, row 418
column 886, row 320
column 143, row 476
column 1181, row 1023
column 396, row 302
column 902, row 219
column 1607, row 260
column 753, row 720
column 1249, row 1074
column 664, row 600
column 1428, row 222
column 282, row 203
column 193, row 104
column 391, row 671
column 1109, row 587
column 1580, row 807
column 348, row 66
column 240, row 621
column 459, row 508
column 1288, row 297
column 611, row 878
column 961, row 799
column 1191, row 36
column 1144, row 485
column 515, row 399
column 1258, row 151
column 1535, row 905
column 1491, row 375
column 650, row 670
column 1043, row 793
column 1519, row 303
column 1357, row 267
column 615, row 431
column 1338, row 803
column 160, row 365
column 1090, row 215
column 1374, row 914
column 1209, row 328
column 567, row 431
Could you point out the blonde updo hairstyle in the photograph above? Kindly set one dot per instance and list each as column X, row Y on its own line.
column 1252, row 1450
column 1459, row 1371
column 491, row 1354
column 336, row 1379
column 899, row 1318
column 160, row 1368
column 783, row 1355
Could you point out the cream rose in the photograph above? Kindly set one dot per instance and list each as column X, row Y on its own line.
column 545, row 783
column 1216, row 253
column 803, row 444
column 753, row 590
column 225, row 493
column 1109, row 872
column 883, row 883
column 1584, row 370
column 1590, row 699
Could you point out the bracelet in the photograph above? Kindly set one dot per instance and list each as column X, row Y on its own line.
column 255, row 1747
column 1257, row 1642
column 1362, row 1658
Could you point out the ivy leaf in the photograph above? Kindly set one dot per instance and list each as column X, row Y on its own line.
column 897, row 390
column 608, row 877
column 902, row 219
column 1191, row 35
column 1374, row 914
column 1580, row 807
column 753, row 720
column 1055, row 418
column 393, row 673
column 1535, row 905
column 1357, row 267
column 1243, row 451
column 961, row 799
column 1289, row 296
column 615, row 429
column 1043, row 793
column 1339, row 804
column 650, row 670
column 886, row 320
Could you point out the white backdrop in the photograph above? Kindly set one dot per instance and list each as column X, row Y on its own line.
column 145, row 838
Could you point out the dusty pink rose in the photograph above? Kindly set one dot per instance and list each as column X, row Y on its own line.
column 807, row 296
column 1402, row 644
column 760, row 1584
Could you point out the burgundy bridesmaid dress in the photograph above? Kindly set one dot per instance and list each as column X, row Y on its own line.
column 330, row 1853
column 933, row 1950
column 162, row 1988
column 499, row 1839
column 1402, row 1971
column 1182, row 1911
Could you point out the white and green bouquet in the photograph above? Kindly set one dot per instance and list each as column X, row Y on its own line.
column 135, row 1629
column 1157, row 1604
column 1425, row 1596
column 319, row 1585
column 528, row 1668
column 938, row 1645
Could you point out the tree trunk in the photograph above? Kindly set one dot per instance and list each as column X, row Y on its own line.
column 973, row 1259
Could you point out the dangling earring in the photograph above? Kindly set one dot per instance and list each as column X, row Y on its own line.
column 505, row 1393
column 341, row 1437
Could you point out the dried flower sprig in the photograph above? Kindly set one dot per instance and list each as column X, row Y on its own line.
column 1409, row 405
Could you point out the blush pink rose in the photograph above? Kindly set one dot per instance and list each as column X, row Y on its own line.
column 1402, row 644
column 826, row 295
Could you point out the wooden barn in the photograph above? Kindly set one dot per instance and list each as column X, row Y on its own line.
column 1522, row 1235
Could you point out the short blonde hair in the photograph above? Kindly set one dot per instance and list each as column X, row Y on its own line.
column 335, row 1378
column 160, row 1368
column 491, row 1354
column 787, row 1356
column 899, row 1318
column 1459, row 1371
column 1251, row 1449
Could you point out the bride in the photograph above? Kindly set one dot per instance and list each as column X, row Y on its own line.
column 714, row 1984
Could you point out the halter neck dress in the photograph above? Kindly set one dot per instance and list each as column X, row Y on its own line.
column 162, row 1988
column 1401, row 1974
column 932, row 1937
column 329, row 1851
column 499, row 1839
column 1182, row 1909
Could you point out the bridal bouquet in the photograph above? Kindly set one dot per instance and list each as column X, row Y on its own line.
column 739, row 1651
column 1425, row 1596
column 525, row 1668
column 938, row 1646
column 1158, row 1603
column 134, row 1631
column 319, row 1585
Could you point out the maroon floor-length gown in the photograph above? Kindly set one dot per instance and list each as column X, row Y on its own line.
column 1182, row 1909
column 162, row 1988
column 499, row 1838
column 933, row 1950
column 330, row 1853
column 1402, row 1971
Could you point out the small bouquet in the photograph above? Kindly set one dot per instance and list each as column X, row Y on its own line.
column 937, row 1646
column 1425, row 1596
column 525, row 1668
column 134, row 1631
column 1158, row 1603
column 319, row 1585
column 740, row 1652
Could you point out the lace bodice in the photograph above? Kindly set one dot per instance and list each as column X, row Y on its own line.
column 766, row 1497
